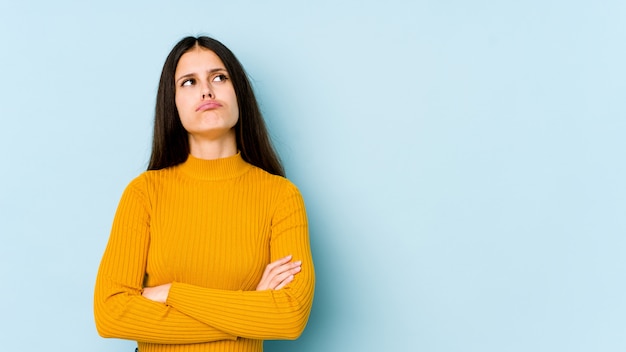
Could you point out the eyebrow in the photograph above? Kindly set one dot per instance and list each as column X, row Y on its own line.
column 188, row 75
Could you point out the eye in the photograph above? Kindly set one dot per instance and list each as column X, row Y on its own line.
column 220, row 78
column 188, row 82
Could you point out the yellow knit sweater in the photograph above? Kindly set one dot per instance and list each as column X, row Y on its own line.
column 209, row 227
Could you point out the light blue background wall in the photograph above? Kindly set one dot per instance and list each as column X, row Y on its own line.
column 462, row 162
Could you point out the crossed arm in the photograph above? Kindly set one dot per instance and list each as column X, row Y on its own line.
column 125, row 309
column 276, row 276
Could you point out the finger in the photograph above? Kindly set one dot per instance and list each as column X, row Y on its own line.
column 269, row 278
column 285, row 282
column 278, row 262
column 285, row 267
column 278, row 269
column 276, row 280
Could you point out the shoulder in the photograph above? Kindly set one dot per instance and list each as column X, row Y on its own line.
column 145, row 183
column 143, row 180
column 278, row 183
column 285, row 195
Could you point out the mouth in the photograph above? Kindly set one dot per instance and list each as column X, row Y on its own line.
column 209, row 105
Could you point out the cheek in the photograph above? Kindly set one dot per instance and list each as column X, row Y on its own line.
column 183, row 113
column 182, row 105
column 234, row 106
column 235, row 111
column 179, row 99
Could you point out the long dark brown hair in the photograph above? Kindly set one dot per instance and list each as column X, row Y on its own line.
column 170, row 143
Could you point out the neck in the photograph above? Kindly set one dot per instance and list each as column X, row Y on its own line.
column 209, row 149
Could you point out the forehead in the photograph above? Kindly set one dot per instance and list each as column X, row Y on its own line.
column 197, row 60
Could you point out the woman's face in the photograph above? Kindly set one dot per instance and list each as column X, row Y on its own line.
column 205, row 96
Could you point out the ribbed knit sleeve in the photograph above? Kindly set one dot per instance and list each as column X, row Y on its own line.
column 120, row 310
column 270, row 314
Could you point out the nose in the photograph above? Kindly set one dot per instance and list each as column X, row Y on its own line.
column 207, row 92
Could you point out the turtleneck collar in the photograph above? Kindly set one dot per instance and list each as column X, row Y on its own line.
column 216, row 169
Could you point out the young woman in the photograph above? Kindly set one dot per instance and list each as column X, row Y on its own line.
column 209, row 249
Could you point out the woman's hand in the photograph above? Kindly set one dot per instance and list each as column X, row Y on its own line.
column 157, row 293
column 278, row 274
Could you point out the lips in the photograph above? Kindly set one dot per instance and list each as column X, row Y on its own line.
column 208, row 105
